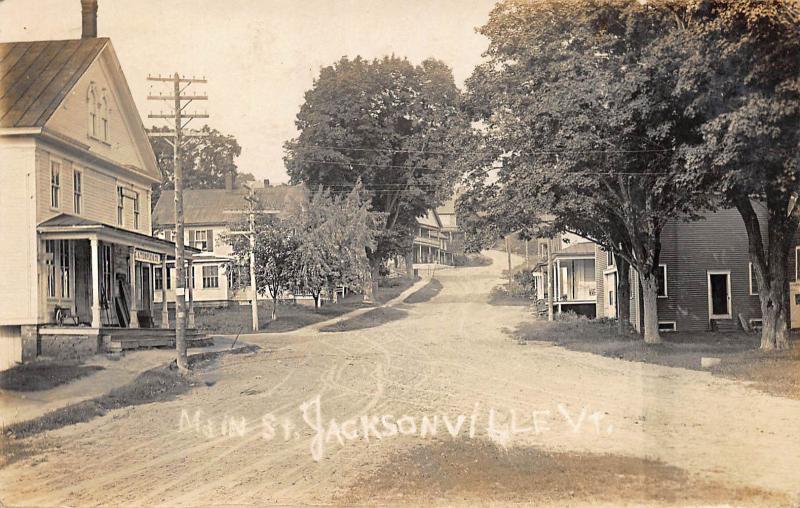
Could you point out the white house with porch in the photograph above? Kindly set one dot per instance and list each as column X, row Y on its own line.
column 78, row 254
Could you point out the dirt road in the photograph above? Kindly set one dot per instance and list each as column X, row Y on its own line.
column 338, row 417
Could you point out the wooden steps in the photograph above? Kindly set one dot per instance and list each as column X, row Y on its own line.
column 724, row 325
column 125, row 339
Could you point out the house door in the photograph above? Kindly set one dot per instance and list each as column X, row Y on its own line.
column 610, row 286
column 719, row 295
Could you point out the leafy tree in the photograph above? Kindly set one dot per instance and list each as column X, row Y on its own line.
column 276, row 261
column 206, row 160
column 388, row 124
column 580, row 130
column 742, row 73
column 335, row 231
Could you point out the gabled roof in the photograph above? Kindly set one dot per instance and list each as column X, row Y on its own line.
column 36, row 76
column 209, row 206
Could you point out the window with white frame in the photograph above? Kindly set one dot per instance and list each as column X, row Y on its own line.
column 50, row 262
column 55, row 184
column 104, row 118
column 201, row 239
column 158, row 278
column 77, row 191
column 65, row 267
column 210, row 276
column 120, row 205
column 92, row 101
column 753, row 281
column 97, row 108
column 661, row 277
column 609, row 258
column 136, row 210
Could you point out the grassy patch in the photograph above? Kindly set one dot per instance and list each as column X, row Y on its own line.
column 38, row 376
column 777, row 373
column 479, row 472
column 500, row 295
column 370, row 319
column 237, row 318
column 427, row 292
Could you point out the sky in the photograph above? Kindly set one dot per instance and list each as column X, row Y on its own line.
column 259, row 56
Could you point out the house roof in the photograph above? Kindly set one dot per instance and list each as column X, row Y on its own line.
column 67, row 223
column 576, row 249
column 36, row 76
column 209, row 206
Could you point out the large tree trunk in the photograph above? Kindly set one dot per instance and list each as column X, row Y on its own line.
column 371, row 284
column 650, row 294
column 769, row 268
column 409, row 262
column 623, row 295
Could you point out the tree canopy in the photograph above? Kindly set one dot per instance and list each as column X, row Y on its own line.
column 388, row 124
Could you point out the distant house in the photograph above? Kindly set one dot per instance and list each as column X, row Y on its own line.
column 706, row 280
column 438, row 239
column 573, row 270
column 208, row 214
column 77, row 250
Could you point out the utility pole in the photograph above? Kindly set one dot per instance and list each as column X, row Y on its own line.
column 527, row 264
column 179, row 103
column 251, row 235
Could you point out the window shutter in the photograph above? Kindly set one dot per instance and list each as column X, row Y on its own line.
column 191, row 238
column 210, row 240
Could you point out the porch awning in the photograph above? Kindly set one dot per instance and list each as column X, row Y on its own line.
column 71, row 227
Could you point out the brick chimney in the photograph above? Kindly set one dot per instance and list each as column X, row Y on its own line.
column 89, row 19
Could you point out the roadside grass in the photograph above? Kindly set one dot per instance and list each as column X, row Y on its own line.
column 44, row 375
column 477, row 471
column 370, row 319
column 426, row 293
column 155, row 385
column 236, row 318
column 500, row 296
column 777, row 373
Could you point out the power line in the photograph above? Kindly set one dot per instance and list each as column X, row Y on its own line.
column 450, row 152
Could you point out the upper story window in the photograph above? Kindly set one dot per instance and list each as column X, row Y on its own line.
column 120, row 205
column 136, row 211
column 97, row 105
column 55, row 184
column 77, row 191
column 753, row 281
column 609, row 258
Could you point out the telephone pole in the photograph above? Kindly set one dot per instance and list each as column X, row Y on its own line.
column 179, row 101
column 251, row 212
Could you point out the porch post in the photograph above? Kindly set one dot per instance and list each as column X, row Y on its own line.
column 95, row 247
column 164, row 302
column 190, row 317
column 133, row 321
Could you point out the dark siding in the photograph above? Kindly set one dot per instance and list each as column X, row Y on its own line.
column 690, row 250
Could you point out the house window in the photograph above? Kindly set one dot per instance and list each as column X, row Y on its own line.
column 91, row 99
column 610, row 298
column 200, row 240
column 609, row 258
column 661, row 277
column 120, row 205
column 77, row 191
column 158, row 278
column 65, row 267
column 50, row 261
column 104, row 118
column 211, row 276
column 667, row 326
column 753, row 281
column 97, row 107
column 136, row 211
column 55, row 184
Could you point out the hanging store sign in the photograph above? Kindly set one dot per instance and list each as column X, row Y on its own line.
column 147, row 257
